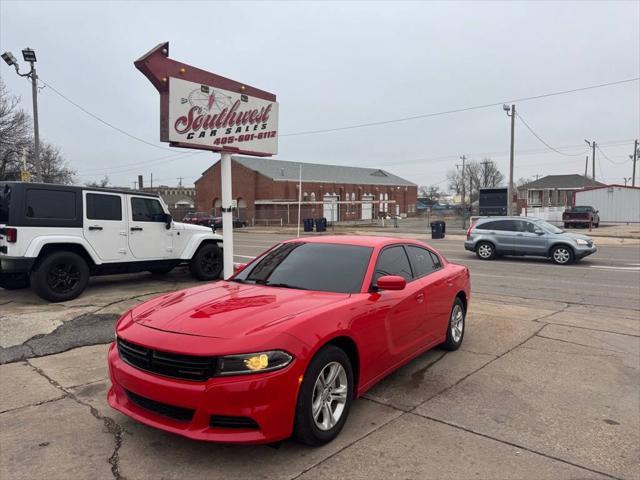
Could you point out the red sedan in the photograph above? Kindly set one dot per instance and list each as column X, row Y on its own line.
column 285, row 346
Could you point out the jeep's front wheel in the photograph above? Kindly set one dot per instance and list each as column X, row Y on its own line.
column 206, row 264
column 60, row 276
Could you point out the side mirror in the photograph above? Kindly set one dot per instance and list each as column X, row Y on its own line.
column 391, row 282
column 238, row 267
column 167, row 220
column 539, row 232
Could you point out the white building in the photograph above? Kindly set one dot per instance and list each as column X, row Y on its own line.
column 615, row 203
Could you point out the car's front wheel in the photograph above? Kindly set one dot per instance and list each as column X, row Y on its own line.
column 325, row 397
column 60, row 276
column 486, row 251
column 206, row 264
column 562, row 255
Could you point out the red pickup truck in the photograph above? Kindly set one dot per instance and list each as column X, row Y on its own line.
column 581, row 216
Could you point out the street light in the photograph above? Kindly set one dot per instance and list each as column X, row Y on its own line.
column 29, row 56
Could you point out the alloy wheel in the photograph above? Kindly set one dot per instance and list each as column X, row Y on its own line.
column 485, row 250
column 329, row 396
column 63, row 278
column 457, row 323
column 210, row 262
column 561, row 255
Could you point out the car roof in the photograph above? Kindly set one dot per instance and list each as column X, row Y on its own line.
column 358, row 240
column 77, row 188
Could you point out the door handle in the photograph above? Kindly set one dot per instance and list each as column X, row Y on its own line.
column 95, row 227
column 420, row 297
column 519, row 235
column 136, row 229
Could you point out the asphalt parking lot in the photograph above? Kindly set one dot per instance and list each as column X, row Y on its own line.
column 546, row 385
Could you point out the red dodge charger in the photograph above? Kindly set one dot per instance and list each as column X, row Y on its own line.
column 286, row 345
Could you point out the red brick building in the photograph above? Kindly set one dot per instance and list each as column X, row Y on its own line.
column 267, row 190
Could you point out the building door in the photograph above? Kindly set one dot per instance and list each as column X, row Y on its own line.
column 367, row 207
column 330, row 207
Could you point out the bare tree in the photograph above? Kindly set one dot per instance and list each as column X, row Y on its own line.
column 483, row 174
column 16, row 139
column 431, row 192
column 100, row 183
column 15, row 130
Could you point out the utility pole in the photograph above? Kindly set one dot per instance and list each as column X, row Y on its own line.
column 464, row 209
column 151, row 184
column 635, row 159
column 586, row 165
column 180, row 181
column 592, row 144
column 510, row 186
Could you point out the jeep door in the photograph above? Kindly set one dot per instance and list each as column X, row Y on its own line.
column 149, row 238
column 104, row 225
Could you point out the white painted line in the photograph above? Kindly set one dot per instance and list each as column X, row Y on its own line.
column 634, row 269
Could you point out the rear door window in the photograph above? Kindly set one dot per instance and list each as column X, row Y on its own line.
column 498, row 225
column 393, row 261
column 5, row 203
column 50, row 204
column 104, row 207
column 146, row 210
column 422, row 260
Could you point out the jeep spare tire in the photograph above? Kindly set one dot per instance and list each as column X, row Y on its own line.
column 60, row 276
column 206, row 264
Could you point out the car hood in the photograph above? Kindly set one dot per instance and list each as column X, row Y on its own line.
column 192, row 227
column 229, row 309
column 576, row 236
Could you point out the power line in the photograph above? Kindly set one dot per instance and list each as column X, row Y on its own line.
column 110, row 125
column 608, row 159
column 457, row 110
column 545, row 143
column 134, row 166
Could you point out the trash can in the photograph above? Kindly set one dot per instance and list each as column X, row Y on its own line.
column 321, row 224
column 308, row 224
column 437, row 229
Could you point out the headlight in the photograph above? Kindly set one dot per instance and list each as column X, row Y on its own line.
column 579, row 241
column 253, row 362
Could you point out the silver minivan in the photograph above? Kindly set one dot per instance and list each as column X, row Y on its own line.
column 494, row 236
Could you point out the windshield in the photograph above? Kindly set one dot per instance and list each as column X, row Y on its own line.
column 323, row 267
column 547, row 227
column 5, row 200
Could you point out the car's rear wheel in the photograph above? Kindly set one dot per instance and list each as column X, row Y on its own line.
column 15, row 282
column 325, row 397
column 562, row 255
column 455, row 328
column 60, row 276
column 206, row 264
column 486, row 251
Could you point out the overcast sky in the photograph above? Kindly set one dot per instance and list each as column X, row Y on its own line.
column 334, row 64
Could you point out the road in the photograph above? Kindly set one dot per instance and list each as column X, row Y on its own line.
column 610, row 278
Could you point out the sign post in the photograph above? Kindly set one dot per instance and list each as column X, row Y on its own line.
column 202, row 110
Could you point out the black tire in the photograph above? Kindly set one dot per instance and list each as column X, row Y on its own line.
column 486, row 251
column 206, row 264
column 562, row 255
column 452, row 341
column 60, row 276
column 566, row 226
column 15, row 282
column 596, row 225
column 305, row 429
column 160, row 270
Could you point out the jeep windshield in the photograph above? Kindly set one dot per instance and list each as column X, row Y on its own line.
column 5, row 200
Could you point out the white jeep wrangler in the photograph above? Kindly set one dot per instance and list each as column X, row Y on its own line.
column 55, row 237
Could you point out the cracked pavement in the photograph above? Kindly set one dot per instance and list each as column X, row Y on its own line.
column 540, row 389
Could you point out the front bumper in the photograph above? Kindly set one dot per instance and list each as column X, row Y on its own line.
column 269, row 399
column 582, row 252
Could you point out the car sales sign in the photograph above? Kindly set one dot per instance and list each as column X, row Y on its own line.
column 208, row 116
column 203, row 110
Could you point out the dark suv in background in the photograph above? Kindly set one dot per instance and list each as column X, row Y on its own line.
column 493, row 236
